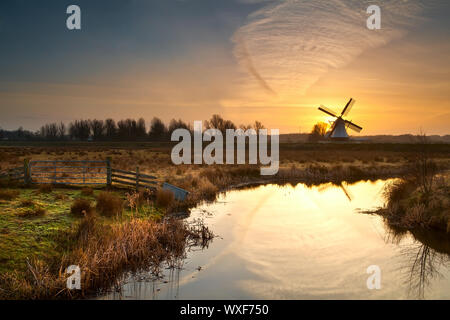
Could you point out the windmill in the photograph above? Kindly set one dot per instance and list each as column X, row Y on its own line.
column 341, row 185
column 338, row 130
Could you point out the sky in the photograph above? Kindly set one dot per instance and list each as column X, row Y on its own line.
column 269, row 60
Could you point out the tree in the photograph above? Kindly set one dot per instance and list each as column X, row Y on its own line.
column 97, row 128
column 158, row 129
column 49, row 131
column 217, row 122
column 61, row 130
column 318, row 132
column 110, row 128
column 141, row 130
column 178, row 124
column 258, row 126
column 80, row 129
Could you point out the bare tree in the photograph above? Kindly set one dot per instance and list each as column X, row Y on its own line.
column 110, row 128
column 158, row 129
column 97, row 128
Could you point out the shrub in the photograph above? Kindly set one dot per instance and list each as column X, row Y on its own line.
column 26, row 203
column 87, row 192
column 8, row 194
column 32, row 212
column 164, row 198
column 207, row 189
column 109, row 204
column 45, row 188
column 60, row 196
column 81, row 207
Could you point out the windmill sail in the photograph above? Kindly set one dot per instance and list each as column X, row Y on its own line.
column 353, row 126
column 348, row 107
column 328, row 111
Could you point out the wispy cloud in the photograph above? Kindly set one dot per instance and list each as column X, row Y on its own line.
column 288, row 45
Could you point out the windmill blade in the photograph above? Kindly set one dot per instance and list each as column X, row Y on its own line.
column 353, row 126
column 328, row 111
column 348, row 107
column 324, row 187
column 347, row 193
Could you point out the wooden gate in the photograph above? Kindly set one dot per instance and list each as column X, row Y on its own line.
column 86, row 172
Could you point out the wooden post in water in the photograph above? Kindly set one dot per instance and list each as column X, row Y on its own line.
column 108, row 172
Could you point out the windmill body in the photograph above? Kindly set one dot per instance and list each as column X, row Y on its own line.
column 338, row 130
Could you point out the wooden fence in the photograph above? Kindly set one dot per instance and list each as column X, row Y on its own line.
column 77, row 172
column 13, row 174
column 131, row 178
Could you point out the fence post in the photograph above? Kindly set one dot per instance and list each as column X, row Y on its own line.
column 137, row 178
column 108, row 172
column 26, row 171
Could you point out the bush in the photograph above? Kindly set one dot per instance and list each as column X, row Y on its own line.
column 26, row 203
column 164, row 198
column 81, row 207
column 207, row 189
column 109, row 204
column 45, row 188
column 87, row 192
column 32, row 212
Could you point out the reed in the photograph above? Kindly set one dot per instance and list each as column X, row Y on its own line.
column 104, row 252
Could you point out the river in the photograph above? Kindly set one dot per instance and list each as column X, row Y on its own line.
column 301, row 242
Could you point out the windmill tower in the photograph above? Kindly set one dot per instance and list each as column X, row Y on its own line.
column 338, row 130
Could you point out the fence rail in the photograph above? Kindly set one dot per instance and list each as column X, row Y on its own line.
column 77, row 172
column 13, row 174
column 133, row 178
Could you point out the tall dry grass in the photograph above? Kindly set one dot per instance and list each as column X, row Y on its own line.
column 109, row 204
column 164, row 198
column 104, row 253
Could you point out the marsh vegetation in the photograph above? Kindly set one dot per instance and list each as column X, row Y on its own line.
column 43, row 229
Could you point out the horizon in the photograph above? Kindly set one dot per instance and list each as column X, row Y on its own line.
column 271, row 61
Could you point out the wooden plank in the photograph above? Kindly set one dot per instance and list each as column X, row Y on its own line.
column 67, row 178
column 147, row 181
column 69, row 161
column 132, row 184
column 123, row 177
column 71, row 167
column 123, row 171
column 16, row 178
column 124, row 182
column 147, row 176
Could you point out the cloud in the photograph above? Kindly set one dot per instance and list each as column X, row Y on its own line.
column 288, row 45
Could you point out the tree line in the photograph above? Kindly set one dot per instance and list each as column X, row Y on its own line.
column 126, row 129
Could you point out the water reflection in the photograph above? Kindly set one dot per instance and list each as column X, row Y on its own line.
column 423, row 258
column 301, row 242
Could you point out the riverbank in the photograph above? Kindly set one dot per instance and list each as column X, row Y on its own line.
column 410, row 207
column 64, row 227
